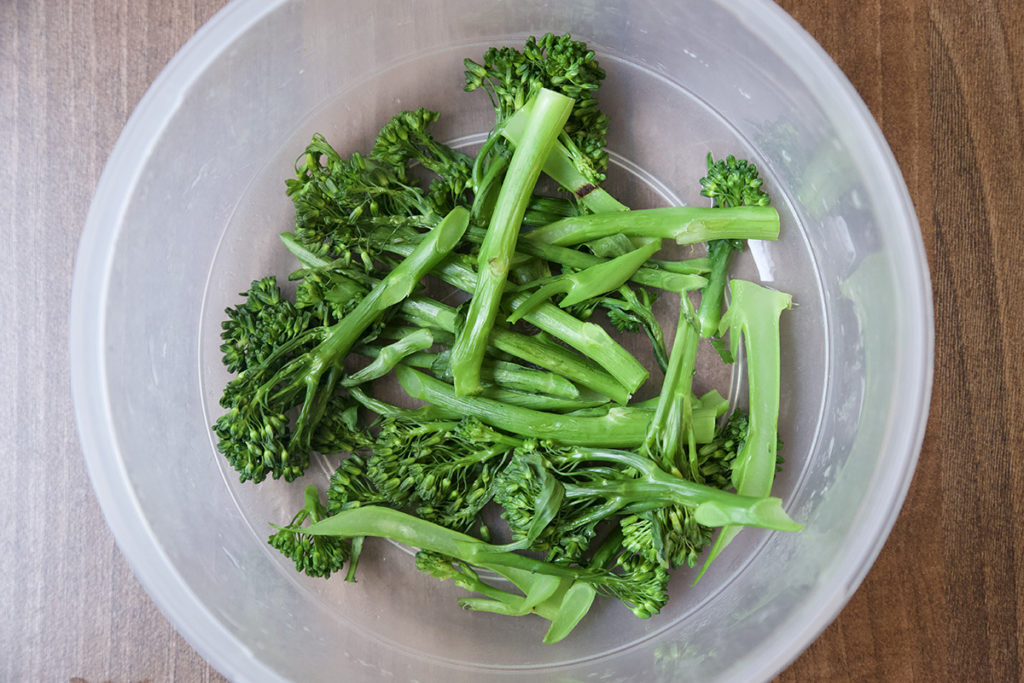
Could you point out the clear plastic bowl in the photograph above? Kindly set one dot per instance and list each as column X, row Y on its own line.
column 187, row 213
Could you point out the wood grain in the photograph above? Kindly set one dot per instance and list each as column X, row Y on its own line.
column 70, row 75
column 945, row 82
column 944, row 599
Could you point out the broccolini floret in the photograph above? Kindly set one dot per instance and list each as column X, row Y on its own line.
column 316, row 556
column 255, row 434
column 512, row 77
column 730, row 182
column 441, row 471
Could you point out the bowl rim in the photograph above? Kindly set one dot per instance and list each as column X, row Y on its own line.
column 151, row 566
column 90, row 284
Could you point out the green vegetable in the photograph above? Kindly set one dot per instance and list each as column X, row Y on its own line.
column 753, row 315
column 623, row 427
column 554, row 498
column 588, row 283
column 386, row 358
column 254, row 434
column 684, row 224
column 539, row 351
column 412, row 271
column 568, row 166
column 512, row 77
column 549, row 115
column 591, row 340
column 729, row 182
column 501, row 373
column 317, row 556
column 562, row 595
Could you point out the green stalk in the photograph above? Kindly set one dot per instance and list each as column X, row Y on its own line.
column 544, row 210
column 684, row 224
column 709, row 313
column 387, row 357
column 486, row 192
column 541, row 352
column 550, row 112
column 559, row 166
column 753, row 314
column 614, row 245
column 712, row 506
column 513, row 376
column 326, row 358
column 560, row 594
column 690, row 266
column 590, row 339
column 667, row 275
column 620, row 428
column 541, row 402
column 670, row 422
column 562, row 361
column 589, row 282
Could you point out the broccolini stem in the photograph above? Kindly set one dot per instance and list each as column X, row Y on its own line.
column 396, row 286
column 619, row 428
column 389, row 356
column 590, row 339
column 541, row 352
column 672, row 276
column 438, row 316
column 690, row 266
column 486, row 192
column 559, row 166
column 514, row 376
column 544, row 210
column 318, row 372
column 714, row 507
column 559, row 360
column 684, row 224
column 542, row 402
column 709, row 313
column 551, row 111
column 671, row 422
column 753, row 314
column 589, row 282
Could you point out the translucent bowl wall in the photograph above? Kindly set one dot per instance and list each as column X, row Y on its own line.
column 188, row 211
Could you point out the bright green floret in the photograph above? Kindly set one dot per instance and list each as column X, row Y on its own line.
column 729, row 182
column 256, row 434
column 316, row 556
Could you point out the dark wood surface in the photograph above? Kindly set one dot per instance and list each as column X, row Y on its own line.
column 945, row 81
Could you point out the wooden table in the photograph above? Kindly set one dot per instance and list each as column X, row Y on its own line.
column 945, row 81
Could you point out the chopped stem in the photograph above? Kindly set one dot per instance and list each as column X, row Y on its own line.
column 389, row 356
column 590, row 339
column 684, row 224
column 753, row 314
column 709, row 313
column 550, row 112
column 619, row 428
column 589, row 282
column 541, row 352
column 559, row 166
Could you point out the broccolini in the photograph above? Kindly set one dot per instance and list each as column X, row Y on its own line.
column 503, row 308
